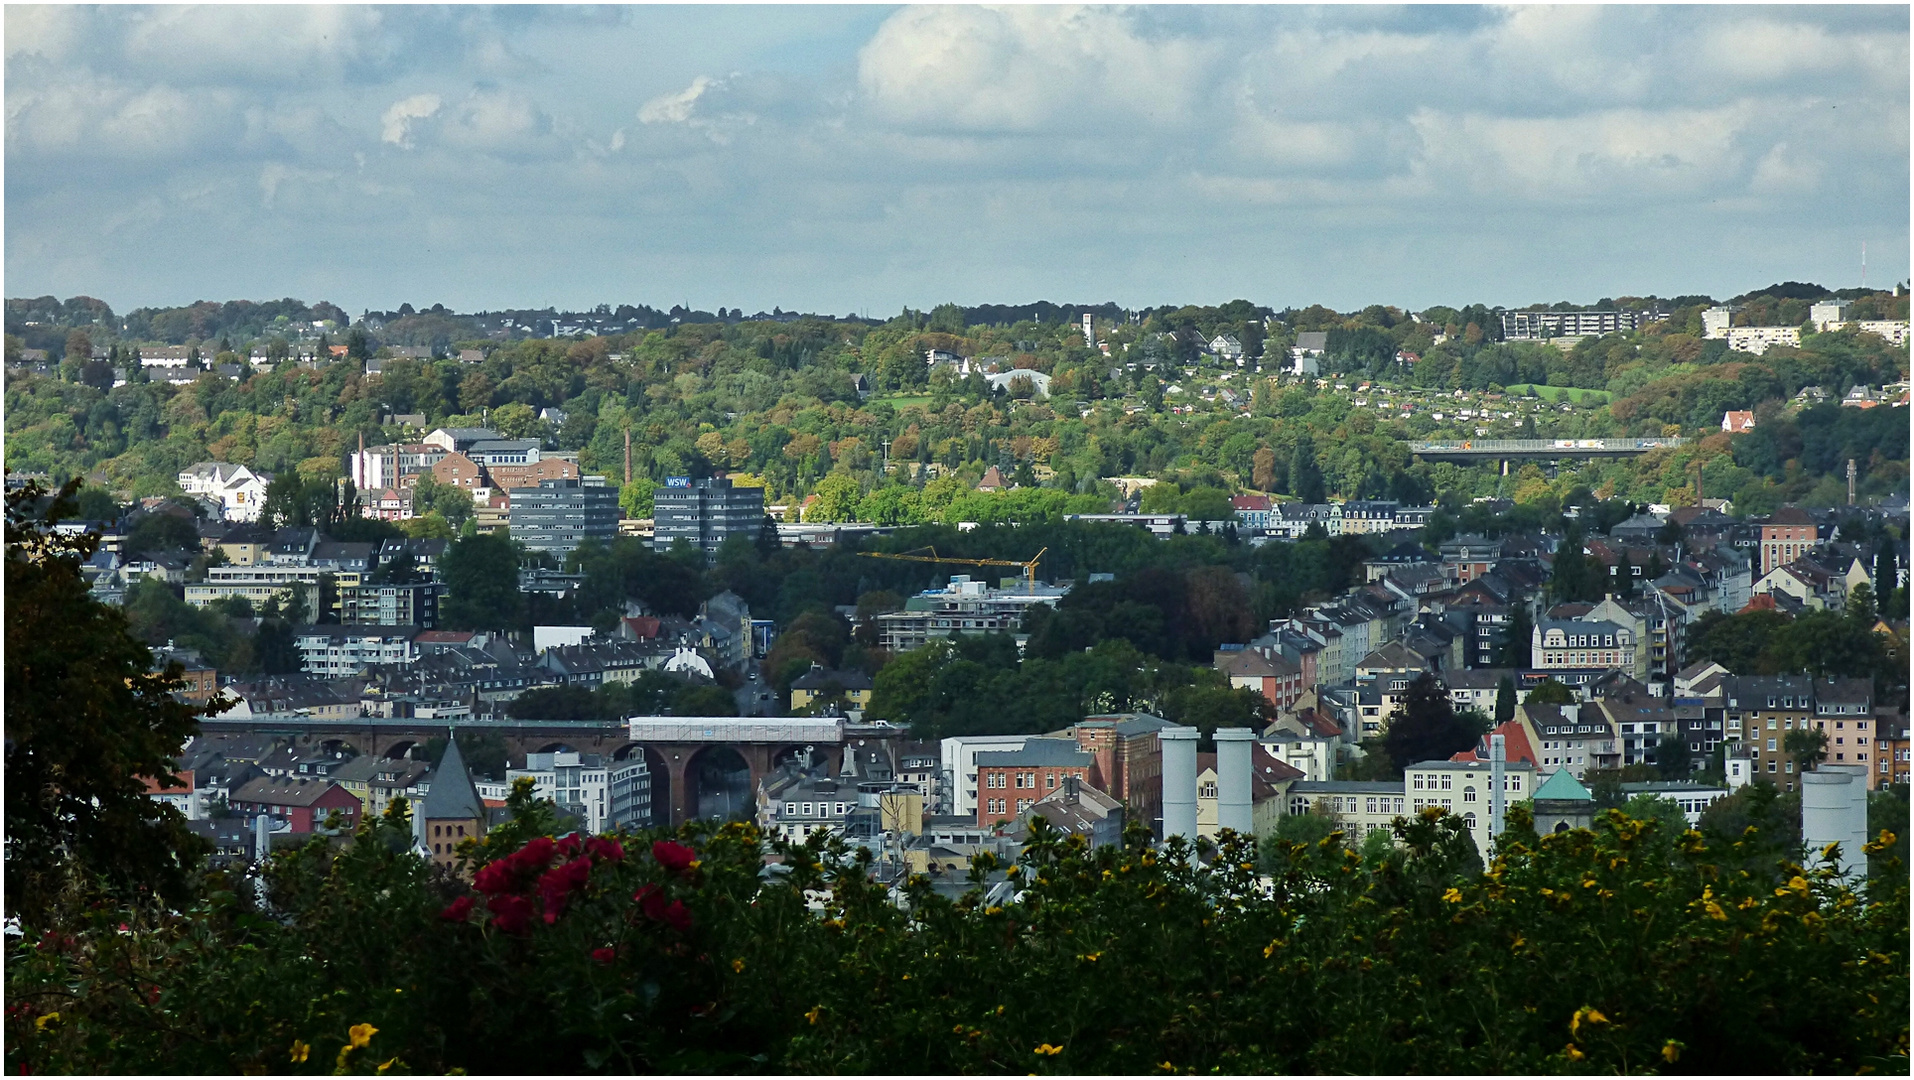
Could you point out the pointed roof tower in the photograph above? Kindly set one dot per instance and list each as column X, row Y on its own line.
column 1559, row 785
column 453, row 797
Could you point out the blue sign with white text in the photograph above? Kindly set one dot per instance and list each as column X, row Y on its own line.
column 678, row 481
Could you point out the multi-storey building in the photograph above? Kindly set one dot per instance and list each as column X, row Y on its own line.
column 705, row 513
column 239, row 491
column 1127, row 760
column 1463, row 788
column 416, row 604
column 258, row 584
column 1553, row 324
column 1760, row 710
column 579, row 783
column 1573, row 643
column 557, row 514
column 962, row 607
column 1009, row 783
column 1264, row 670
column 337, row 651
column 1786, row 535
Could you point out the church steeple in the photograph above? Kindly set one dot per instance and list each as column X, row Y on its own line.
column 453, row 810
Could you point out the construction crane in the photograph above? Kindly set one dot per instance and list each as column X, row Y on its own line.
column 1029, row 568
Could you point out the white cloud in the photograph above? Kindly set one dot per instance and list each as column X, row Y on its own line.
column 395, row 126
column 675, row 108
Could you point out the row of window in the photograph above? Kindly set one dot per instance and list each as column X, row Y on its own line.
column 794, row 809
column 1000, row 806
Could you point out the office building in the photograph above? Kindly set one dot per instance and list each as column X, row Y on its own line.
column 557, row 514
column 705, row 513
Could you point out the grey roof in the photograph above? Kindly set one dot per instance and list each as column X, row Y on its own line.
column 1346, row 787
column 1127, row 724
column 1038, row 751
column 453, row 796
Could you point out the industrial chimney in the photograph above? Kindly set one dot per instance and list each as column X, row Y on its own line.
column 1179, row 781
column 1498, row 787
column 1233, row 796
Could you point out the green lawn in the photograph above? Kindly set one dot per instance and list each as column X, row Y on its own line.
column 1574, row 394
column 904, row 402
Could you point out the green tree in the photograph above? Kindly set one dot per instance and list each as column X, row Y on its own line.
column 88, row 722
column 1672, row 758
column 481, row 582
column 1305, row 474
column 1550, row 692
column 1514, row 649
column 1425, row 727
column 1505, row 700
column 1808, row 747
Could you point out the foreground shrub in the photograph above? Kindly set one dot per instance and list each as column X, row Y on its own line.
column 1623, row 948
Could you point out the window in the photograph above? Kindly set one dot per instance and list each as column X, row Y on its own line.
column 1469, row 819
column 1417, row 781
column 1446, row 783
column 1369, row 805
column 1468, row 794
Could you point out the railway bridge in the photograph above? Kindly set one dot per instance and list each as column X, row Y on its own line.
column 688, row 756
column 1473, row 451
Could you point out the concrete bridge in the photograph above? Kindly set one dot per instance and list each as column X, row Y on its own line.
column 1471, row 451
column 676, row 749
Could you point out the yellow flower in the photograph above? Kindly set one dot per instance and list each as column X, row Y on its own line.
column 362, row 1034
column 1671, row 1051
column 815, row 1012
column 1049, row 1051
column 46, row 1021
column 1453, row 896
column 386, row 1065
column 1574, row 1054
column 738, row 965
column 1714, row 911
column 300, row 1051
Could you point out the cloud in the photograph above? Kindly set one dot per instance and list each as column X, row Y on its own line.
column 675, row 108
column 396, row 124
column 839, row 157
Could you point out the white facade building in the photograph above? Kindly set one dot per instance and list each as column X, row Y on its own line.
column 960, row 764
column 239, row 491
column 579, row 783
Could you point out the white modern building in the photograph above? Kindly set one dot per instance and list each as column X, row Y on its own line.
column 579, row 783
column 959, row 755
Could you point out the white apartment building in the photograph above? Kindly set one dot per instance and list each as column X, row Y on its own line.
column 339, row 651
column 1462, row 788
column 258, row 584
column 1756, row 340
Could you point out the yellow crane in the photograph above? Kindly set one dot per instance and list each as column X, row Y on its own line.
column 1029, row 568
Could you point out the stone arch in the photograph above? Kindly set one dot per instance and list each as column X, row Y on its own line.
column 406, row 748
column 718, row 784
column 555, row 748
column 339, row 746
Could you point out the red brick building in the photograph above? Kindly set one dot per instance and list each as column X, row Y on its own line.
column 1788, row 535
column 1266, row 671
column 1011, row 782
column 1127, row 760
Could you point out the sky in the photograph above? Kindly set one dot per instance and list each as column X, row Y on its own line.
column 865, row 159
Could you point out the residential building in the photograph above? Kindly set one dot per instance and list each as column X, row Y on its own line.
column 1735, row 423
column 1469, row 556
column 416, row 604
column 963, row 606
column 258, row 584
column 793, row 804
column 1844, row 712
column 1573, row 643
column 1531, row 325
column 1640, row 720
column 1756, row 340
column 1264, row 670
column 1077, row 807
column 394, row 466
column 1760, row 710
column 1359, row 807
column 181, row 796
column 959, row 756
column 1569, row 738
column 377, row 781
column 304, row 804
column 705, row 513
column 239, row 491
column 1253, row 512
column 629, row 782
column 580, row 784
column 557, row 514
column 820, row 685
column 1789, row 532
column 1011, row 782
column 335, row 651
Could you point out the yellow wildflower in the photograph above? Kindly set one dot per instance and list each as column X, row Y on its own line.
column 815, row 1012
column 387, row 1065
column 738, row 965
column 1049, row 1051
column 1671, row 1051
column 1714, row 911
column 300, row 1051
column 362, row 1034
column 44, row 1022
column 1574, row 1054
column 1453, row 896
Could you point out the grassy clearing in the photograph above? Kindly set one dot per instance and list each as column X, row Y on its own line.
column 1575, row 394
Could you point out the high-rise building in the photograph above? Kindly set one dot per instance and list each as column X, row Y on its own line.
column 557, row 514
column 705, row 513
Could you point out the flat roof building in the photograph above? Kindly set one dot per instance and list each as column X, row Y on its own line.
column 705, row 513
column 557, row 514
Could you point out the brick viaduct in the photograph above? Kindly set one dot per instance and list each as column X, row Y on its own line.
column 673, row 746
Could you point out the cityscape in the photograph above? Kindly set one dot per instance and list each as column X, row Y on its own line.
column 1488, row 683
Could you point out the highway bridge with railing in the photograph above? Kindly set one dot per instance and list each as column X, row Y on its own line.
column 1469, row 451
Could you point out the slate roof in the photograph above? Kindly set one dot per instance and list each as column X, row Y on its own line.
column 453, row 796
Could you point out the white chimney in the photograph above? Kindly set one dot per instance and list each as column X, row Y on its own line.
column 262, row 838
column 1498, row 788
column 1233, row 796
column 1179, row 781
column 1834, row 811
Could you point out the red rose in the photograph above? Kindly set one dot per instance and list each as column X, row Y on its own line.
column 678, row 918
column 510, row 913
column 457, row 910
column 651, row 900
column 569, row 845
column 605, row 848
column 494, row 877
column 604, row 956
column 536, row 855
column 673, row 856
